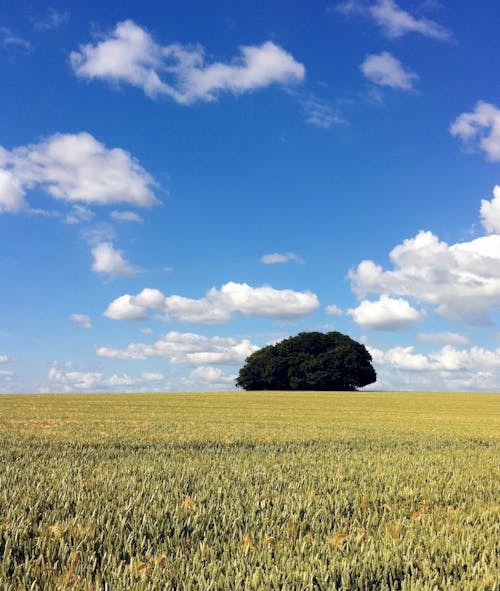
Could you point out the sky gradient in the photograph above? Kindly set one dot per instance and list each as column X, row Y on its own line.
column 184, row 183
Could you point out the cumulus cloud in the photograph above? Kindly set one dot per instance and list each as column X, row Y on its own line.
column 81, row 320
column 393, row 20
column 126, row 216
column 71, row 380
column 109, row 261
column 400, row 358
column 218, row 305
column 449, row 368
column 480, row 127
column 446, row 338
column 462, row 280
column 276, row 258
column 386, row 70
column 490, row 212
column 129, row 54
column 11, row 192
column 75, row 168
column 385, row 314
column 5, row 359
column 74, row 379
column 211, row 375
column 185, row 348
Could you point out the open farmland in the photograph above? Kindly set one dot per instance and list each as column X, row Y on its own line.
column 296, row 491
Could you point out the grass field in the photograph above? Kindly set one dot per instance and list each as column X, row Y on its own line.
column 240, row 491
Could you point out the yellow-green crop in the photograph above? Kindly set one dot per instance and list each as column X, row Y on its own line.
column 241, row 491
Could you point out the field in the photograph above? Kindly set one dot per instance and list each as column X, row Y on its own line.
column 241, row 491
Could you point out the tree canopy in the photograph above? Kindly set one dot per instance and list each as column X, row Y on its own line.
column 309, row 361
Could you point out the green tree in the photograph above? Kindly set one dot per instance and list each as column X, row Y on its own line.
column 309, row 361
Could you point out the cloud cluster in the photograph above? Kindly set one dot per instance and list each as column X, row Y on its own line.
column 71, row 380
column 462, row 280
column 218, row 305
column 393, row 20
column 129, row 54
column 385, row 314
column 386, row 70
column 185, row 348
column 75, row 168
column 481, row 126
column 448, row 368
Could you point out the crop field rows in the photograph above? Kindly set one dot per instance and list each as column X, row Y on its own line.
column 241, row 491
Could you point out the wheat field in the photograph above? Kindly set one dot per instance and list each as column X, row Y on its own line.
column 250, row 491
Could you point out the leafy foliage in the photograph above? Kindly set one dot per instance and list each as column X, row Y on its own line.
column 309, row 361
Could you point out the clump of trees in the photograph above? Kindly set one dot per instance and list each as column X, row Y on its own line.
column 309, row 361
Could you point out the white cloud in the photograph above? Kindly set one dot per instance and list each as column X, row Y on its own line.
column 393, row 20
column 461, row 280
column 385, row 314
column 211, row 375
column 185, row 348
column 120, row 380
column 74, row 379
column 146, row 330
column 5, row 359
column 109, row 261
column 276, row 258
column 334, row 310
column 75, row 168
column 449, row 368
column 218, row 305
column 81, row 320
column 490, row 212
column 401, row 358
column 445, row 338
column 452, row 359
column 129, row 54
column 386, row 70
column 71, row 380
column 396, row 22
column 481, row 125
column 11, row 193
column 126, row 216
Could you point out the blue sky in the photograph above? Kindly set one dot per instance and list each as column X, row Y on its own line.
column 183, row 183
